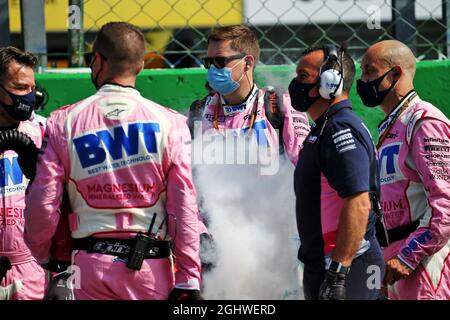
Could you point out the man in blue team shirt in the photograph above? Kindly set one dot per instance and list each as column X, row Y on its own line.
column 335, row 182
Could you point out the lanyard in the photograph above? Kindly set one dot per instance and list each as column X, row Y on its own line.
column 393, row 117
column 252, row 119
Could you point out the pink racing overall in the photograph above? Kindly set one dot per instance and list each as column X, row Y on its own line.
column 414, row 159
column 123, row 160
column 226, row 129
column 26, row 280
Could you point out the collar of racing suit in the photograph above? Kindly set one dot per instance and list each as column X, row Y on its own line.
column 229, row 109
column 107, row 88
column 404, row 104
column 395, row 112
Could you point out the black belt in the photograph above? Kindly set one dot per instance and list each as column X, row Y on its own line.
column 121, row 247
column 402, row 232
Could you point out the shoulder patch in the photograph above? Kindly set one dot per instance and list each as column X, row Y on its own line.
column 343, row 140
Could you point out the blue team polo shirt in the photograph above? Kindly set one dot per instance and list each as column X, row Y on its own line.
column 332, row 166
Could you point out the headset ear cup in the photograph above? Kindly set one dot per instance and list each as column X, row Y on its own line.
column 330, row 84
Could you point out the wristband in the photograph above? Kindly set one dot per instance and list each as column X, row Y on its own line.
column 338, row 267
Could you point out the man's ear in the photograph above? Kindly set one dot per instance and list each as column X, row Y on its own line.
column 249, row 63
column 98, row 59
column 141, row 67
column 398, row 72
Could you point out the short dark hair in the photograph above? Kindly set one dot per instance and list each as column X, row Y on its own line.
column 11, row 54
column 242, row 39
column 348, row 64
column 123, row 44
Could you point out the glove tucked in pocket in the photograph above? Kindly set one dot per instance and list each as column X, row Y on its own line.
column 59, row 289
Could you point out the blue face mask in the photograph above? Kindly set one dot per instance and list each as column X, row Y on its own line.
column 22, row 106
column 221, row 81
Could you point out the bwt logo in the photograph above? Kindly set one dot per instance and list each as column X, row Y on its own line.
column 374, row 19
column 11, row 172
column 390, row 153
column 331, row 85
column 235, row 147
column 415, row 242
column 91, row 152
column 258, row 128
column 74, row 18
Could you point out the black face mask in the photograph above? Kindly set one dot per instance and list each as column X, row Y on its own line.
column 22, row 106
column 94, row 79
column 369, row 91
column 298, row 92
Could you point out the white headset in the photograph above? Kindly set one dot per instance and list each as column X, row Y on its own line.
column 331, row 80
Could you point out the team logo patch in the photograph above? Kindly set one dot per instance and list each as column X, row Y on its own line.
column 388, row 163
column 115, row 113
column 117, row 109
column 227, row 110
column 311, row 139
column 344, row 141
column 12, row 180
column 115, row 147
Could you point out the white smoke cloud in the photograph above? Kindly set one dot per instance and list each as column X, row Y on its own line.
column 252, row 220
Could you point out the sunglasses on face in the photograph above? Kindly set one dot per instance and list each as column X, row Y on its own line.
column 220, row 62
column 89, row 57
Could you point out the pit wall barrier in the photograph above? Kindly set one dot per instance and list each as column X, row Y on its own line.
column 177, row 88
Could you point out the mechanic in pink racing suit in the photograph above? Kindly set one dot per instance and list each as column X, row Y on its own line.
column 26, row 279
column 414, row 158
column 236, row 107
column 125, row 161
column 236, row 104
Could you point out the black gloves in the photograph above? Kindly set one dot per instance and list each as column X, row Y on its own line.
column 333, row 287
column 208, row 252
column 5, row 265
column 58, row 288
column 185, row 294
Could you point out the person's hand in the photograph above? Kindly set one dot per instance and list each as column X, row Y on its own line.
column 396, row 270
column 6, row 293
column 333, row 287
column 58, row 288
column 185, row 294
